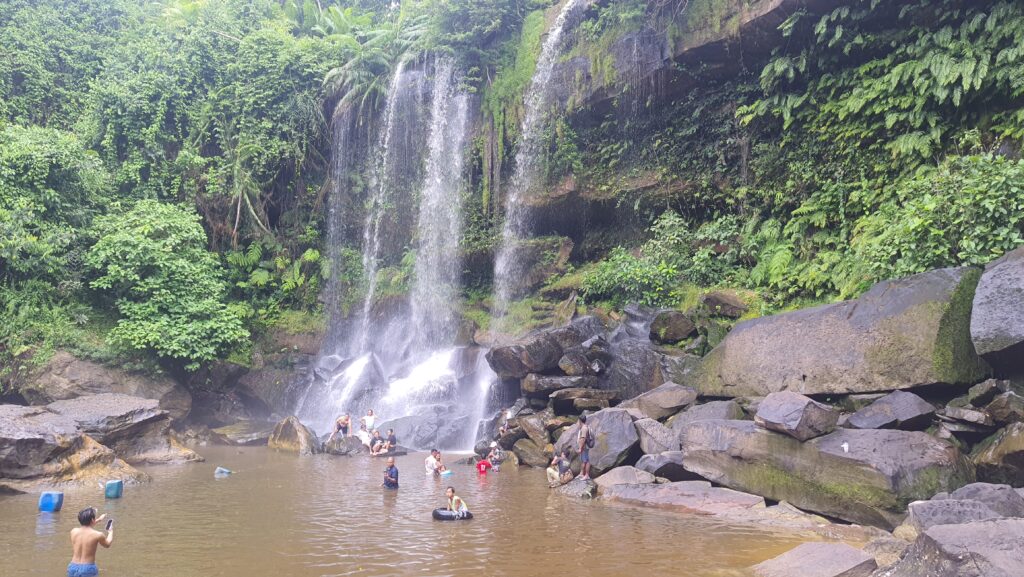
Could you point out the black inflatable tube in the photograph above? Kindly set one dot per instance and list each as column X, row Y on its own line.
column 447, row 515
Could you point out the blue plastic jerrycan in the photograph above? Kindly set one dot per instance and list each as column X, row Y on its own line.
column 113, row 489
column 51, row 501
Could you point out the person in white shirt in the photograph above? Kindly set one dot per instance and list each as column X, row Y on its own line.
column 369, row 420
column 431, row 465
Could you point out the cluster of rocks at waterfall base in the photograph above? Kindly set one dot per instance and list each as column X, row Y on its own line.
column 900, row 411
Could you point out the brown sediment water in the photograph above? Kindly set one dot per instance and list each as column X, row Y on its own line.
column 284, row 515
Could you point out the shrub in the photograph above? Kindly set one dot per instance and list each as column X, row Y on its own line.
column 623, row 278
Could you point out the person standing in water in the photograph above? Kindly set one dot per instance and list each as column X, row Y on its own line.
column 391, row 475
column 431, row 464
column 584, row 440
column 84, row 542
column 455, row 503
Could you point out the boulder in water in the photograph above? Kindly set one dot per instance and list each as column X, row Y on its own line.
column 897, row 410
column 290, row 435
column 615, row 440
column 346, row 446
column 819, row 560
column 536, row 429
column 623, row 476
column 693, row 497
column 663, row 401
column 862, row 476
column 900, row 334
column 993, row 548
column 795, row 415
column 997, row 319
column 40, row 448
column 243, row 433
column 136, row 429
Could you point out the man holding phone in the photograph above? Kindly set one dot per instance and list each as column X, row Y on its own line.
column 85, row 540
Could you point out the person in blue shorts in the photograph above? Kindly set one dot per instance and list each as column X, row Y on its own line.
column 84, row 542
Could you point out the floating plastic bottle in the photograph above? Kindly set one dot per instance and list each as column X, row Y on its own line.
column 51, row 501
column 222, row 472
column 113, row 489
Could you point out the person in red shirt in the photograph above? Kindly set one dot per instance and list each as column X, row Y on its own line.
column 483, row 465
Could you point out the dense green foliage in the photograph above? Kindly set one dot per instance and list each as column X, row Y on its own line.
column 164, row 166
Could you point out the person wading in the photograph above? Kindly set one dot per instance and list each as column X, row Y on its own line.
column 391, row 475
column 85, row 540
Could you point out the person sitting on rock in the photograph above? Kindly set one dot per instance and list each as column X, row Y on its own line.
column 391, row 475
column 363, row 435
column 391, row 441
column 377, row 443
column 560, row 471
column 455, row 503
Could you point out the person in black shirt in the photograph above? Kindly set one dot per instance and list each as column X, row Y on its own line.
column 392, row 441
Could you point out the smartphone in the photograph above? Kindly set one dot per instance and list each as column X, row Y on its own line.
column 110, row 524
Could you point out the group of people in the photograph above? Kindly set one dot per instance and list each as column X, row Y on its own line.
column 367, row 435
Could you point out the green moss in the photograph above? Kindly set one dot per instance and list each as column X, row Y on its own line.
column 954, row 359
column 776, row 483
column 300, row 322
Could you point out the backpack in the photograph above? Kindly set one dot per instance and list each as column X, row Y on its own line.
column 590, row 439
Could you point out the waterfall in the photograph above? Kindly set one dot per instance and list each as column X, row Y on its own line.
column 435, row 289
column 529, row 156
column 404, row 364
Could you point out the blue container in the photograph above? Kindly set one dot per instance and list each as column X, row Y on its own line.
column 51, row 501
column 221, row 472
column 113, row 489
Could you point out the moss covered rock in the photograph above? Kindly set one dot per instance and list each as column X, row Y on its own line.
column 900, row 334
column 292, row 436
column 865, row 477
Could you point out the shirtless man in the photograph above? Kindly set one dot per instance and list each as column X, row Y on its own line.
column 85, row 540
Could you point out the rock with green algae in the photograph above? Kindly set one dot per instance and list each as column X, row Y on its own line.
column 861, row 476
column 1000, row 458
column 900, row 334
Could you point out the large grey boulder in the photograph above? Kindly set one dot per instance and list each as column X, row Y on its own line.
column 997, row 320
column 897, row 410
column 668, row 465
column 579, row 489
column 291, row 436
column 65, row 376
column 992, row 548
column 1000, row 498
column 615, row 440
column 794, row 414
column 40, row 448
column 925, row 514
column 694, row 497
column 623, row 476
column 243, row 433
column 655, row 438
column 1000, row 458
column 862, row 476
column 136, row 429
column 345, row 446
column 900, row 334
column 536, row 429
column 818, row 560
column 663, row 401
column 636, row 368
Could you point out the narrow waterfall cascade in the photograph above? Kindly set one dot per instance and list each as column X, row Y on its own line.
column 401, row 361
column 508, row 266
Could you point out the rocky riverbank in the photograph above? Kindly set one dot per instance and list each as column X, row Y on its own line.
column 881, row 412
